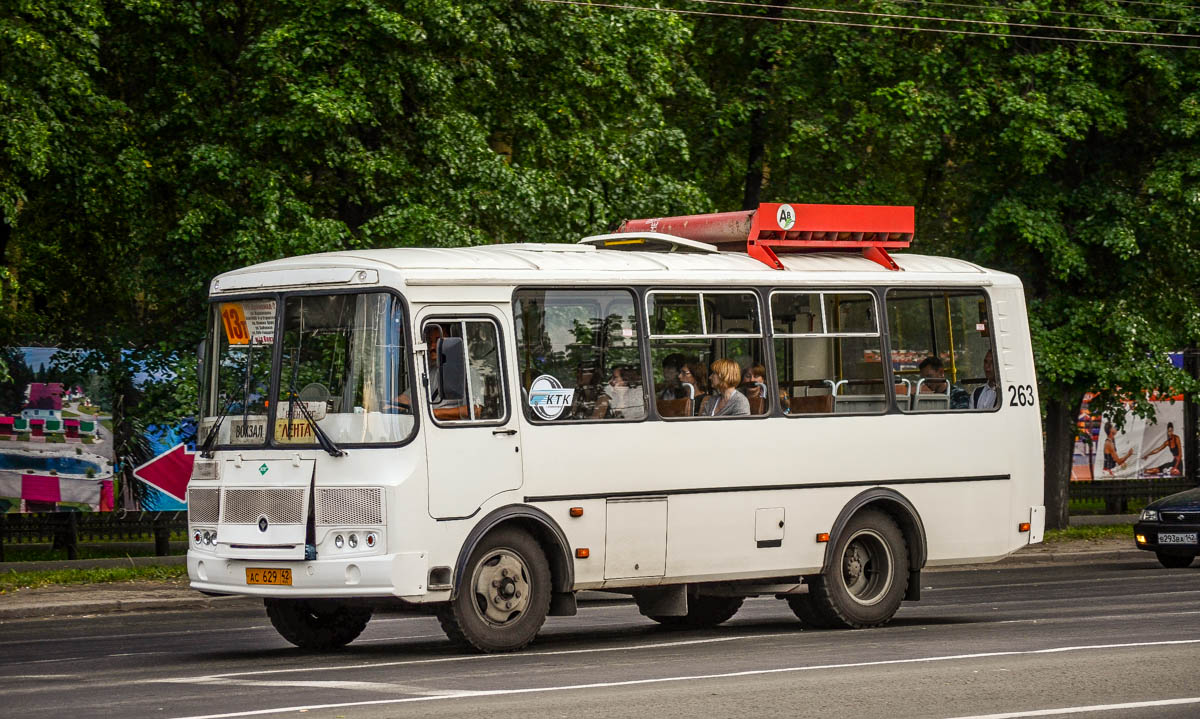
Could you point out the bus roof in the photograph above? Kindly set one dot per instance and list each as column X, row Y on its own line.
column 585, row 264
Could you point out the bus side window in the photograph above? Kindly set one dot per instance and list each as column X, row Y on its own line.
column 828, row 353
column 579, row 355
column 482, row 377
column 941, row 349
column 690, row 331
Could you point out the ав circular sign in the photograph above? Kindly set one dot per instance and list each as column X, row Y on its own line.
column 785, row 217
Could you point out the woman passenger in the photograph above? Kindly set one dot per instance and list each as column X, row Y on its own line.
column 727, row 401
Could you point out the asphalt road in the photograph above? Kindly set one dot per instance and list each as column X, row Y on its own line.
column 1120, row 637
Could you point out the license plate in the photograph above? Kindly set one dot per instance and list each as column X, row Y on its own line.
column 269, row 576
column 1177, row 537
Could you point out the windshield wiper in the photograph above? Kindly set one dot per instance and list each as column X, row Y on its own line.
column 206, row 449
column 322, row 438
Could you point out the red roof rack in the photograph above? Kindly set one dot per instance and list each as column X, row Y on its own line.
column 779, row 227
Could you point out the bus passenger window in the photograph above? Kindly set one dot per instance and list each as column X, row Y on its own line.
column 691, row 334
column 941, row 350
column 579, row 355
column 827, row 352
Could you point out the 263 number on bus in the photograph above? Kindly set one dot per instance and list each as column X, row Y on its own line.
column 1021, row 395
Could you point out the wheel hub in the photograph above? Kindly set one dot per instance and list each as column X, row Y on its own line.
column 501, row 587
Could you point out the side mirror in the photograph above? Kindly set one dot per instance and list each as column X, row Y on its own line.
column 452, row 368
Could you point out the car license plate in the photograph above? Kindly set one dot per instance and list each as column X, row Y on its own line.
column 1177, row 537
column 268, row 576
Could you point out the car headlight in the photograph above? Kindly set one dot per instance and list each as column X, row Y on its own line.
column 1149, row 515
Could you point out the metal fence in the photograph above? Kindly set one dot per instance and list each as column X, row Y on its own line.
column 65, row 530
column 1122, row 496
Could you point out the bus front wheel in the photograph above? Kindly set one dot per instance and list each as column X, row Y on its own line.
column 865, row 582
column 505, row 596
column 317, row 624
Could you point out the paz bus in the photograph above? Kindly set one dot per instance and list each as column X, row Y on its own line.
column 691, row 411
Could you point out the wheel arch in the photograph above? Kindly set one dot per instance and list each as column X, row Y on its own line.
column 544, row 530
column 903, row 513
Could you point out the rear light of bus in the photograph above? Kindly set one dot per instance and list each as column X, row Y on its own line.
column 1023, row 527
column 823, row 537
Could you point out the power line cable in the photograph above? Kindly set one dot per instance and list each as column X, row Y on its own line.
column 876, row 26
column 932, row 18
column 1035, row 11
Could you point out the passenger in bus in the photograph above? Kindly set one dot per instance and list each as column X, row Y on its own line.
column 726, row 400
column 986, row 395
column 933, row 372
column 693, row 381
column 673, row 387
column 754, row 384
column 622, row 397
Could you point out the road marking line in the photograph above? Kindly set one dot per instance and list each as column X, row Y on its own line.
column 694, row 677
column 467, row 658
column 1078, row 710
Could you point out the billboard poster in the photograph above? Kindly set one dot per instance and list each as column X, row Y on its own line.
column 1141, row 449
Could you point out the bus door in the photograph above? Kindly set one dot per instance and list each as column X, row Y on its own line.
column 472, row 437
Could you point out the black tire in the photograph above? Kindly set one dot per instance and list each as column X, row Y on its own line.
column 703, row 611
column 1174, row 561
column 317, row 624
column 809, row 615
column 866, row 580
column 505, row 595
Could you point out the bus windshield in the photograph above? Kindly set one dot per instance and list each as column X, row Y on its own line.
column 343, row 367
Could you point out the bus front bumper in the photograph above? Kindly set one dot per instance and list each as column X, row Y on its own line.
column 387, row 575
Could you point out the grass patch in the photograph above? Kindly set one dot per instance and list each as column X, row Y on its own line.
column 1090, row 532
column 12, row 581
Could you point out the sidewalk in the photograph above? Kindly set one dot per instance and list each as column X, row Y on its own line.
column 87, row 599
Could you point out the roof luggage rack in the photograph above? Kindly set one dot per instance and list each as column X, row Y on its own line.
column 779, row 227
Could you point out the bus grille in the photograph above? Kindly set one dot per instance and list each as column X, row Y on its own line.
column 279, row 506
column 204, row 506
column 358, row 505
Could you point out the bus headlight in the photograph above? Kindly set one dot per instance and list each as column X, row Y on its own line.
column 338, row 541
column 353, row 541
column 197, row 537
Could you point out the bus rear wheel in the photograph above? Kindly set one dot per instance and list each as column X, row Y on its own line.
column 704, row 611
column 317, row 624
column 505, row 596
column 866, row 581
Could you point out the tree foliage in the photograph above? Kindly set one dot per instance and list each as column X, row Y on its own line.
column 148, row 146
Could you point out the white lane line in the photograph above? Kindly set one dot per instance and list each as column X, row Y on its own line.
column 393, row 639
column 1080, row 710
column 465, row 658
column 693, row 677
column 314, row 684
column 1051, row 583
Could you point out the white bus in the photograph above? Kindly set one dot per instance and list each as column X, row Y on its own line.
column 691, row 411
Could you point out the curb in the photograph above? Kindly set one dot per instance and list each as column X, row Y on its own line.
column 83, row 608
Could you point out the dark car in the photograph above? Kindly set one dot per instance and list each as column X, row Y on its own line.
column 1170, row 527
